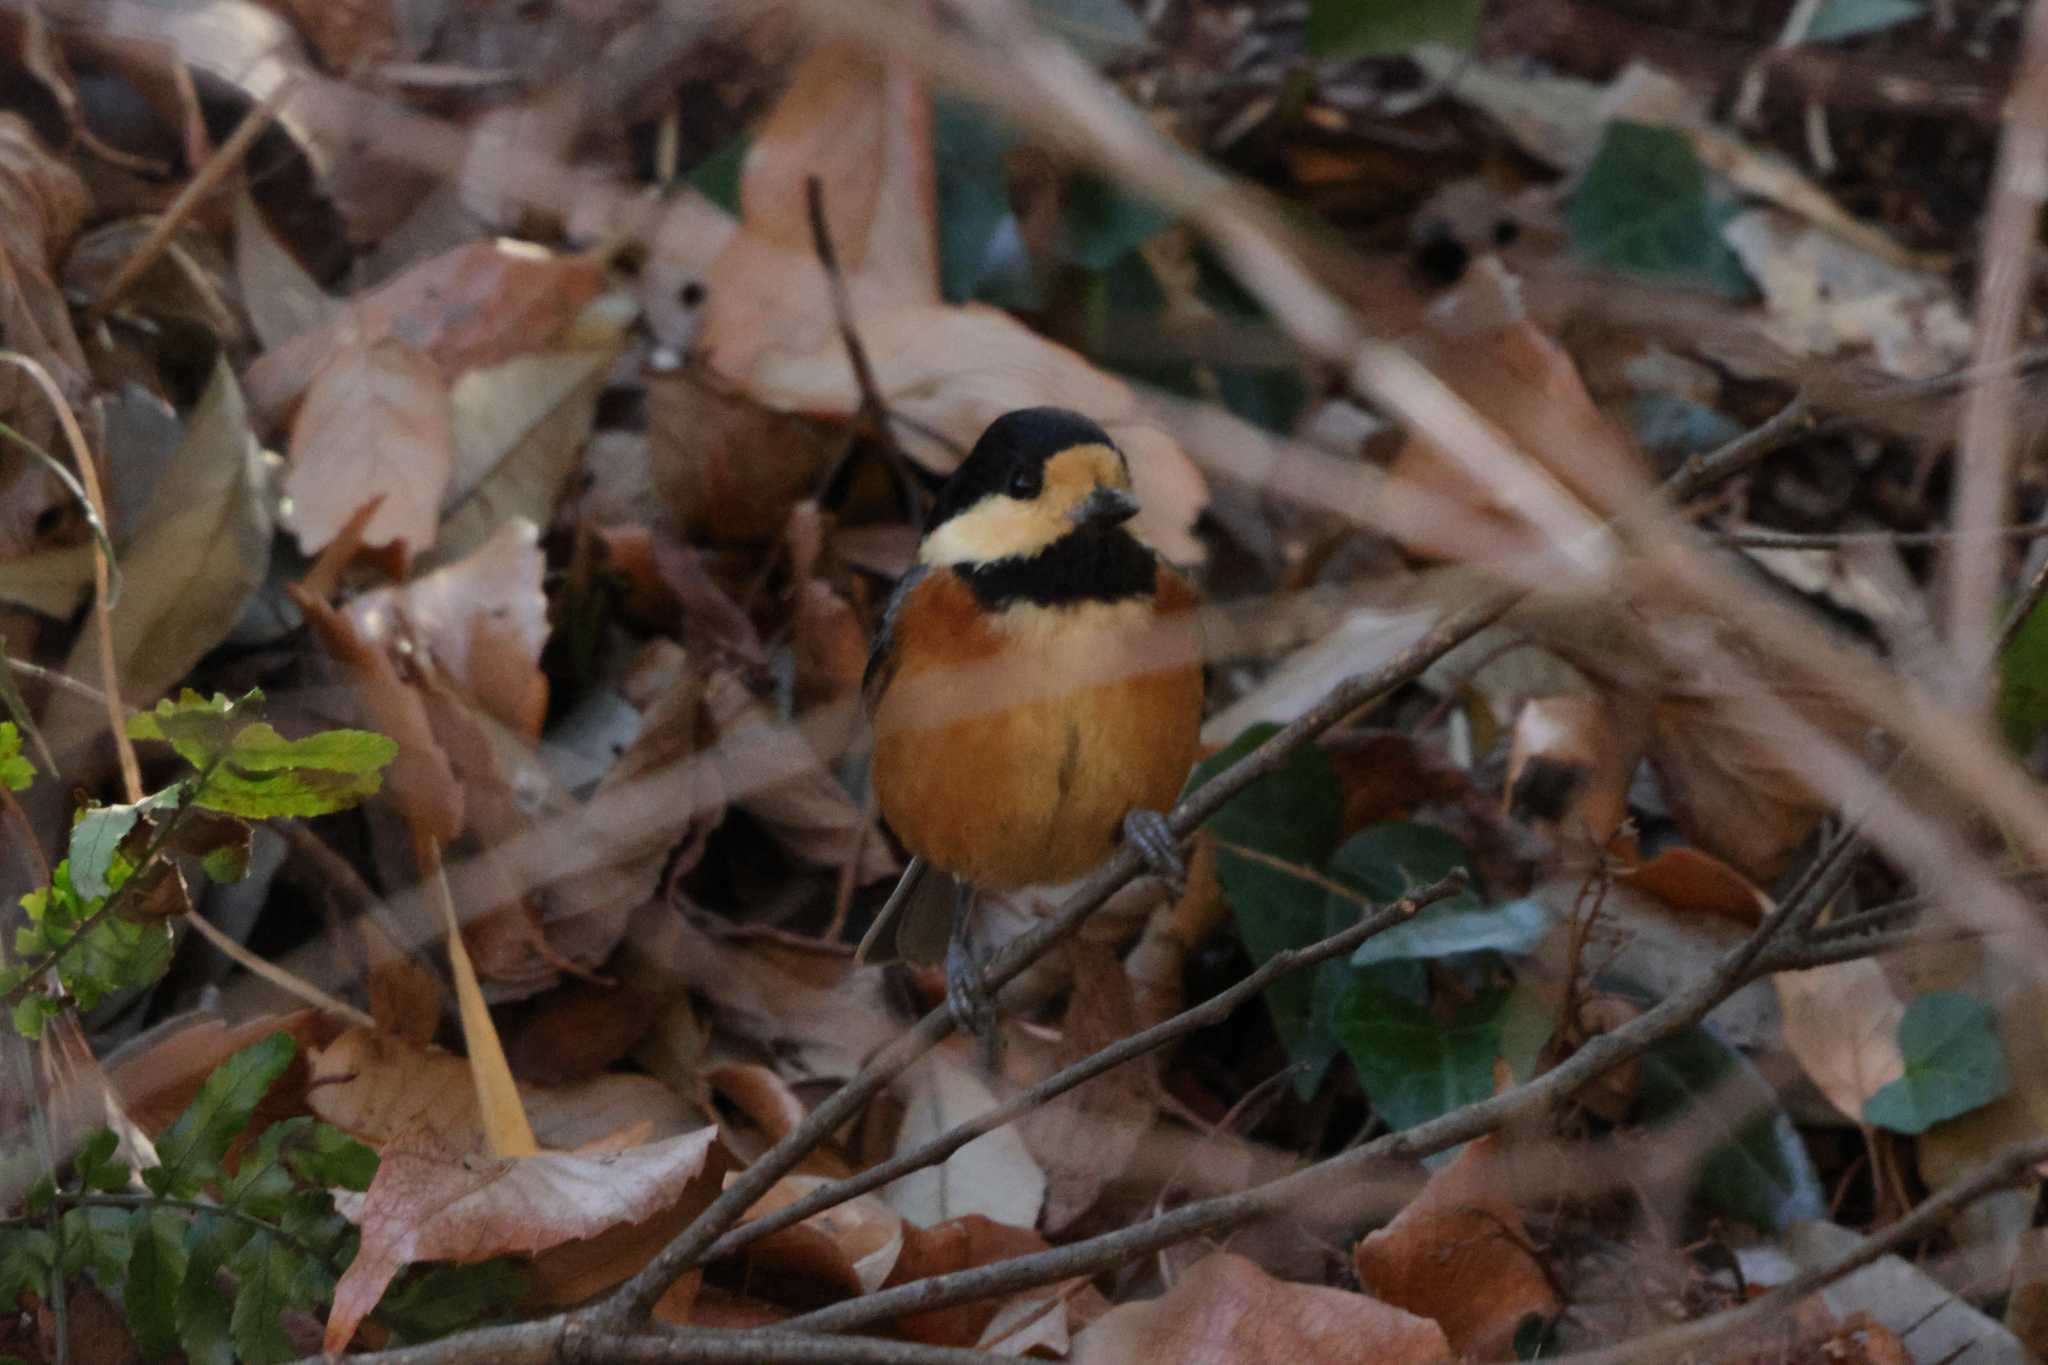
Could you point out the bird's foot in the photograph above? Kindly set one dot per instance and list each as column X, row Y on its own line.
column 967, row 995
column 1148, row 832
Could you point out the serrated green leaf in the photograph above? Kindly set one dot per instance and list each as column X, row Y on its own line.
column 96, row 1239
column 333, row 1158
column 1754, row 1166
column 1838, row 19
column 1290, row 814
column 191, row 1149
column 1371, row 28
column 2023, row 683
column 1954, row 1063
column 95, row 1164
column 199, row 728
column 1414, row 1066
column 202, row 1308
column 156, row 1275
column 1643, row 208
column 33, row 1012
column 114, row 954
column 96, row 839
column 16, row 772
column 265, row 775
column 266, row 1276
column 27, row 1256
column 449, row 1298
column 261, row 1185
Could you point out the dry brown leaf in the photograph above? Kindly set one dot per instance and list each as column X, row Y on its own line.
column 760, row 1094
column 709, row 615
column 1734, row 790
column 470, row 307
column 1842, row 1023
column 577, row 1031
column 1458, row 1254
column 1227, row 1310
column 483, row 621
column 376, row 1087
column 946, row 371
column 958, row 1244
column 729, row 469
column 994, row 1175
column 772, row 771
column 848, row 1249
column 376, row 423
column 420, row 782
column 42, row 204
column 429, row 1202
column 1687, row 879
column 1085, row 1137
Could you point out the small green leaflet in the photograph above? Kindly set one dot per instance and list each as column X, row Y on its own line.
column 16, row 772
column 97, row 836
column 1840, row 19
column 254, row 772
column 2023, row 683
column 192, row 1147
column 1371, row 28
column 1643, row 208
column 115, row 953
column 1954, row 1063
column 156, row 1270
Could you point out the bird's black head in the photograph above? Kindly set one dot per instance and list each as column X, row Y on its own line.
column 1037, row 510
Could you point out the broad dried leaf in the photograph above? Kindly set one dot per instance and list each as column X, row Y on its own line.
column 1842, row 1024
column 1687, row 879
column 960, row 1244
column 470, row 307
column 1458, row 1254
column 851, row 1248
column 431, row 1203
column 994, row 1175
column 728, row 468
column 482, row 620
column 375, row 1087
column 376, row 423
column 1227, row 1310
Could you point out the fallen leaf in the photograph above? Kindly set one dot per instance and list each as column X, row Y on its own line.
column 963, row 1243
column 1687, row 879
column 429, row 1202
column 994, row 1175
column 1227, row 1310
column 728, row 468
column 482, row 620
column 1459, row 1254
column 1842, row 1023
column 848, row 1249
column 376, row 423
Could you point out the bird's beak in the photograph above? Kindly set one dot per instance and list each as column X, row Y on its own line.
column 1104, row 508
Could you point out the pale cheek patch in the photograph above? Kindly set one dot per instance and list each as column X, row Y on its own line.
column 994, row 528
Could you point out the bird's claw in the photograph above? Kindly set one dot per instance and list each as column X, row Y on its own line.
column 1148, row 832
column 967, row 995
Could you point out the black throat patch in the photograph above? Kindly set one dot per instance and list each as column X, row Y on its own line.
column 1085, row 566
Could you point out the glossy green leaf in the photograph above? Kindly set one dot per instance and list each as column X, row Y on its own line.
column 1954, row 1063
column 1369, row 28
column 191, row 1149
column 1711, row 1099
column 1643, row 208
column 1415, row 1066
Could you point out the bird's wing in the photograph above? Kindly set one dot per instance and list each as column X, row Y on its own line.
column 915, row 922
column 882, row 656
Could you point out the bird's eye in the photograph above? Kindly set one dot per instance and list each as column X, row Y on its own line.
column 1024, row 483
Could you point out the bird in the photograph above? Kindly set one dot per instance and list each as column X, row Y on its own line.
column 1034, row 690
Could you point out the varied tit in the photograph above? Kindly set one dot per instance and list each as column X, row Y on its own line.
column 1036, row 687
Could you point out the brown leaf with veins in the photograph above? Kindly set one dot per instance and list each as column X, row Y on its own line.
column 467, row 308
column 377, row 422
column 1228, row 1311
column 1458, row 1254
column 428, row 1203
column 961, row 1243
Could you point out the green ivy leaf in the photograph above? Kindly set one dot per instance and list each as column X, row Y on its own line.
column 1372, row 28
column 191, row 1149
column 16, row 772
column 1643, row 208
column 451, row 1298
column 27, row 1255
column 1414, row 1066
column 1840, row 19
column 1954, row 1063
column 1754, row 1167
column 1292, row 814
column 156, row 1274
column 204, row 1326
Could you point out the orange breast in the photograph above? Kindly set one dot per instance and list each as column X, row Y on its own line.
column 1008, row 749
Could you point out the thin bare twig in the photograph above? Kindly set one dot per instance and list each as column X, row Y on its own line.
column 1984, row 458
